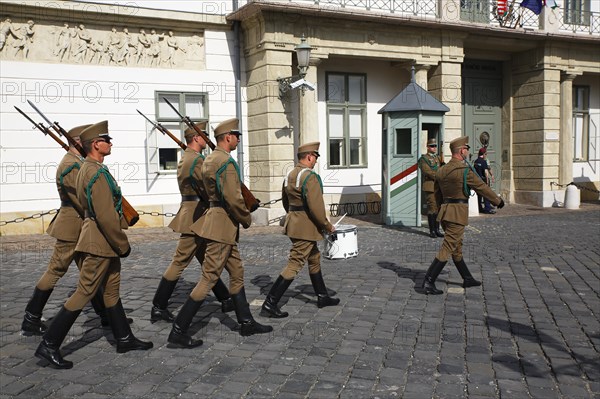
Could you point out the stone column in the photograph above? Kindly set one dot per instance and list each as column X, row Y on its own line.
column 446, row 85
column 308, row 122
column 565, row 165
column 421, row 75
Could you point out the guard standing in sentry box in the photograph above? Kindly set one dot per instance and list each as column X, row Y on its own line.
column 429, row 163
column 302, row 197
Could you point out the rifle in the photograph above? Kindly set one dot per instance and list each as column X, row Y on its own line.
column 129, row 213
column 165, row 131
column 44, row 129
column 441, row 154
column 250, row 200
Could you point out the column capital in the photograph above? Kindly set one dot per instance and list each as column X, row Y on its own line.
column 566, row 76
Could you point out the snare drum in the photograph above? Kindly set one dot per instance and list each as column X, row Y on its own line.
column 346, row 245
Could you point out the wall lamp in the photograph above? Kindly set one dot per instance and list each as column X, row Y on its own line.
column 295, row 81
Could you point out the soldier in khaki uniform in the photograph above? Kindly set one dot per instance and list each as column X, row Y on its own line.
column 452, row 189
column 302, row 197
column 219, row 225
column 102, row 241
column 429, row 163
column 65, row 227
column 193, row 204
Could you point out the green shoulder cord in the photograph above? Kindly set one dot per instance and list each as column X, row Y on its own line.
column 193, row 181
column 66, row 172
column 116, row 191
column 433, row 167
column 304, row 186
column 218, row 175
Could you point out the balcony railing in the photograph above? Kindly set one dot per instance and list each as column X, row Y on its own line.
column 477, row 11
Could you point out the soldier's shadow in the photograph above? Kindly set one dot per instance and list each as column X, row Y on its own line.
column 416, row 276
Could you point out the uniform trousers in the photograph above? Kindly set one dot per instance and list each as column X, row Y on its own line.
column 188, row 246
column 301, row 252
column 452, row 245
column 96, row 271
column 431, row 204
column 62, row 256
column 219, row 256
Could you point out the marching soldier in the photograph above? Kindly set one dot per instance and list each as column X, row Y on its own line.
column 219, row 226
column 452, row 190
column 429, row 163
column 193, row 204
column 302, row 197
column 65, row 227
column 102, row 243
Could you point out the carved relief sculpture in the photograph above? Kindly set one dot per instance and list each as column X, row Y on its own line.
column 24, row 39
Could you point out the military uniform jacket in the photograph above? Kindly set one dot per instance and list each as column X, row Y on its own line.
column 306, row 224
column 449, row 184
column 66, row 225
column 188, row 177
column 429, row 164
column 102, row 232
column 221, row 179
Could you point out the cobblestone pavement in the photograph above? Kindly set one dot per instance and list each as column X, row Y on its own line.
column 532, row 330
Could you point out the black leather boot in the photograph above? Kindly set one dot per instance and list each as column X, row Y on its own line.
column 431, row 223
column 98, row 304
column 248, row 326
column 161, row 300
column 178, row 335
column 468, row 280
column 323, row 298
column 269, row 307
column 126, row 341
column 438, row 232
column 49, row 348
column 222, row 293
column 32, row 321
column 432, row 274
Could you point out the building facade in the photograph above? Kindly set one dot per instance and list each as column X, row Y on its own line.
column 525, row 86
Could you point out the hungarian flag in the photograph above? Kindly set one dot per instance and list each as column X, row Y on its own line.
column 533, row 5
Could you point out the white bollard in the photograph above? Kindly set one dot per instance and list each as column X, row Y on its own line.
column 473, row 205
column 572, row 197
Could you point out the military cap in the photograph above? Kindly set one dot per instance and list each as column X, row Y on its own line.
column 432, row 142
column 95, row 131
column 227, row 126
column 76, row 131
column 462, row 141
column 191, row 132
column 309, row 147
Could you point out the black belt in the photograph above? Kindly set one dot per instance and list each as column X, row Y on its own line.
column 296, row 208
column 68, row 204
column 455, row 201
column 216, row 204
column 189, row 198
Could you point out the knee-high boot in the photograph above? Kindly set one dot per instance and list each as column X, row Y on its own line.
column 432, row 274
column 323, row 298
column 437, row 230
column 222, row 293
column 126, row 341
column 161, row 300
column 178, row 334
column 49, row 348
column 269, row 307
column 248, row 326
column 32, row 321
column 468, row 280
column 97, row 302
column 431, row 223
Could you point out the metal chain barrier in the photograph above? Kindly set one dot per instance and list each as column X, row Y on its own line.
column 576, row 185
column 355, row 208
column 270, row 202
column 34, row 216
column 167, row 214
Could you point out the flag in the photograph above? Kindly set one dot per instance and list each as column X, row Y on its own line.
column 551, row 3
column 533, row 5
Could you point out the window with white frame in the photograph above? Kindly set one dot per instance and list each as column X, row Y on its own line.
column 163, row 152
column 581, row 122
column 346, row 120
column 577, row 12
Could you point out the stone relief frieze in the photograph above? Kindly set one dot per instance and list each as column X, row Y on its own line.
column 78, row 44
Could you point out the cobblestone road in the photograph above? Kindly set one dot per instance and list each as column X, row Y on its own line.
column 532, row 330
